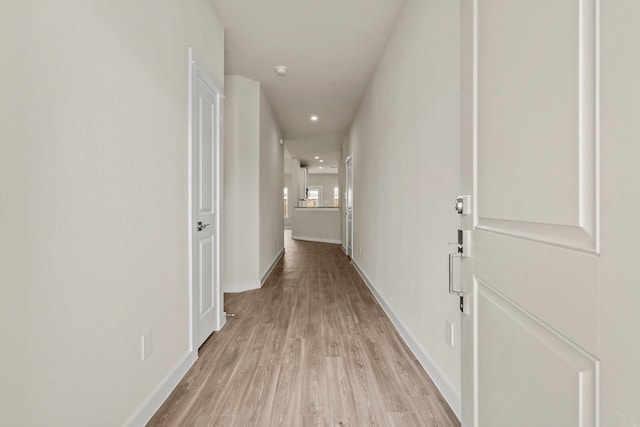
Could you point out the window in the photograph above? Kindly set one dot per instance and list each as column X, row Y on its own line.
column 336, row 197
column 286, row 202
column 314, row 200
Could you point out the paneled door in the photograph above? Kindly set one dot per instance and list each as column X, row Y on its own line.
column 530, row 266
column 207, row 297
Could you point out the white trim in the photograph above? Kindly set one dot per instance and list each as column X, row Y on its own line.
column 197, row 69
column 317, row 239
column 144, row 413
column 233, row 288
column 317, row 209
column 439, row 379
column 190, row 223
column 348, row 229
column 266, row 275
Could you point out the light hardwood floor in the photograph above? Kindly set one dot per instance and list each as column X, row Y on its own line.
column 310, row 348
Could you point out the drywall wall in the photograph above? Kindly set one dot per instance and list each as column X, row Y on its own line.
column 405, row 146
column 254, row 165
column 94, row 218
column 241, row 183
column 271, row 167
column 292, row 165
column 14, row 263
column 290, row 203
column 317, row 225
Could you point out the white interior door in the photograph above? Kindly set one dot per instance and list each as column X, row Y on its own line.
column 207, row 296
column 531, row 272
column 348, row 229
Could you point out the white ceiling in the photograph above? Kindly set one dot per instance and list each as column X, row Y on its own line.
column 330, row 47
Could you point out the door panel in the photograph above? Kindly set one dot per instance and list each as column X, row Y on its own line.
column 557, row 284
column 206, row 133
column 550, row 381
column 535, row 120
column 206, row 108
column 523, row 122
column 531, row 271
column 207, row 273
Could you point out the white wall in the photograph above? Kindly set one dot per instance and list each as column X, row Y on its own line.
column 405, row 145
column 271, row 184
column 94, row 205
column 287, row 184
column 292, row 165
column 343, row 186
column 254, row 165
column 317, row 225
column 241, row 182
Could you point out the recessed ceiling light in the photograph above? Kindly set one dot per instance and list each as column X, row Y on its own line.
column 316, row 157
column 320, row 167
column 321, row 161
column 281, row 70
column 314, row 118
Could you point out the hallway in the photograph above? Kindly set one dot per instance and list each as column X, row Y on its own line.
column 310, row 348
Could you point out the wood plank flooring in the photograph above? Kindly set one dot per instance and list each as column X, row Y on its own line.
column 310, row 348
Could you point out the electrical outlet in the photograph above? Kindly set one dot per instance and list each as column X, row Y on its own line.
column 449, row 333
column 146, row 345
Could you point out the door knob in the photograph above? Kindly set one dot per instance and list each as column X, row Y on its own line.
column 202, row 226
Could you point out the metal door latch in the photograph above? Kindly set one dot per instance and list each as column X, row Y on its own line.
column 202, row 226
column 463, row 205
column 460, row 253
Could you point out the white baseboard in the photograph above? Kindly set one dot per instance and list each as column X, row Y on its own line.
column 234, row 288
column 266, row 275
column 439, row 379
column 317, row 239
column 142, row 416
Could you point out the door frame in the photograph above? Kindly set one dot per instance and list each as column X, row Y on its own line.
column 197, row 69
column 348, row 231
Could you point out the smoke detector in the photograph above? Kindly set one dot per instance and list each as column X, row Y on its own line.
column 281, row 70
